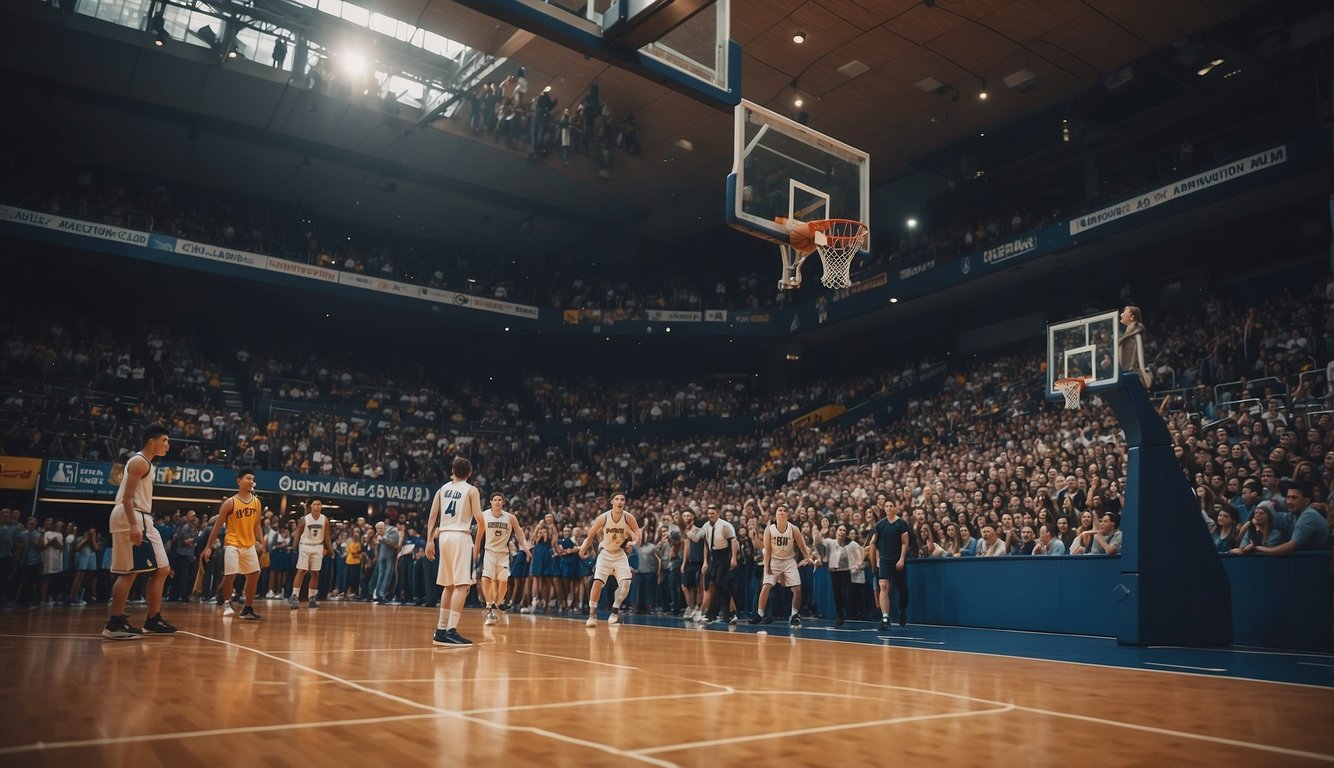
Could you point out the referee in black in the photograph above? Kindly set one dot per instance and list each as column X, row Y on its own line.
column 723, row 550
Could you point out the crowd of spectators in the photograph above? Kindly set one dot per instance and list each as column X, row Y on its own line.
column 976, row 457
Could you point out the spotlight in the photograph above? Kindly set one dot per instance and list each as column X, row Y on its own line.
column 912, row 223
column 798, row 102
column 799, row 38
column 982, row 94
column 160, row 38
column 233, row 53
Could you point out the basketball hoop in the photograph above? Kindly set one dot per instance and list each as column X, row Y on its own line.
column 1072, row 389
column 837, row 240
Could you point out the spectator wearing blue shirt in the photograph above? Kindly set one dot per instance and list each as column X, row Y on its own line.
column 1310, row 532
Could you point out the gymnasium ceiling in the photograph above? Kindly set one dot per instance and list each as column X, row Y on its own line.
column 257, row 133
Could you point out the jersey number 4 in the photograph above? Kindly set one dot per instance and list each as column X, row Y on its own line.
column 452, row 510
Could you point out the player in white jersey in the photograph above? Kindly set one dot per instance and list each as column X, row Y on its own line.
column 455, row 508
column 782, row 539
column 313, row 534
column 619, row 530
column 132, row 526
column 501, row 527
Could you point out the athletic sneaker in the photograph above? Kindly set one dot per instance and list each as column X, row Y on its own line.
column 795, row 621
column 838, row 622
column 768, row 619
column 312, row 603
column 615, row 616
column 229, row 608
column 757, row 618
column 455, row 638
column 884, row 626
column 292, row 603
column 732, row 621
column 119, row 628
column 489, row 617
column 249, row 614
column 903, row 619
column 156, row 625
column 592, row 621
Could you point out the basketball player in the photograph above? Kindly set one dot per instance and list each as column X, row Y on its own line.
column 781, row 542
column 131, row 526
column 619, row 529
column 313, row 533
column 456, row 506
column 500, row 527
column 242, row 545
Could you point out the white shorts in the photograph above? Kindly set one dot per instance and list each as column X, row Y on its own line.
column 783, row 572
column 454, row 551
column 613, row 565
column 239, row 560
column 122, row 551
column 495, row 565
column 310, row 558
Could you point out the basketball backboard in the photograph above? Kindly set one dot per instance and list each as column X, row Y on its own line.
column 781, row 168
column 1085, row 347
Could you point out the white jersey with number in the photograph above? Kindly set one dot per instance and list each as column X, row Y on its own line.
column 313, row 533
column 454, row 506
column 615, row 533
column 782, row 544
column 497, row 532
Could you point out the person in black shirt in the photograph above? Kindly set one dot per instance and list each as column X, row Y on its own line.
column 889, row 548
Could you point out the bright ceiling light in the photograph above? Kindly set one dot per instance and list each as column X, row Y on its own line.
column 799, row 38
column 353, row 63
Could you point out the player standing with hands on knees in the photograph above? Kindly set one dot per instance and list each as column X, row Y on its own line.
column 456, row 507
column 619, row 530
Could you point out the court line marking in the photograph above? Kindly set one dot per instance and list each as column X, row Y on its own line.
column 1185, row 734
column 821, row 729
column 1102, row 721
column 110, row 740
column 727, row 637
column 606, row 748
column 365, row 650
column 1185, row 666
column 421, row 680
column 888, row 638
column 581, row 661
column 55, row 637
column 1313, row 664
column 593, row 702
column 1243, row 649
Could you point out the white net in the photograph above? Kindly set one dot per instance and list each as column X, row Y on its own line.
column 1073, row 389
column 842, row 240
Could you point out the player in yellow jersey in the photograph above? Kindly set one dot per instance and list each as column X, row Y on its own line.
column 241, row 515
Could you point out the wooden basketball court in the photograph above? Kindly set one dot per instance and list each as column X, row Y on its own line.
column 353, row 684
